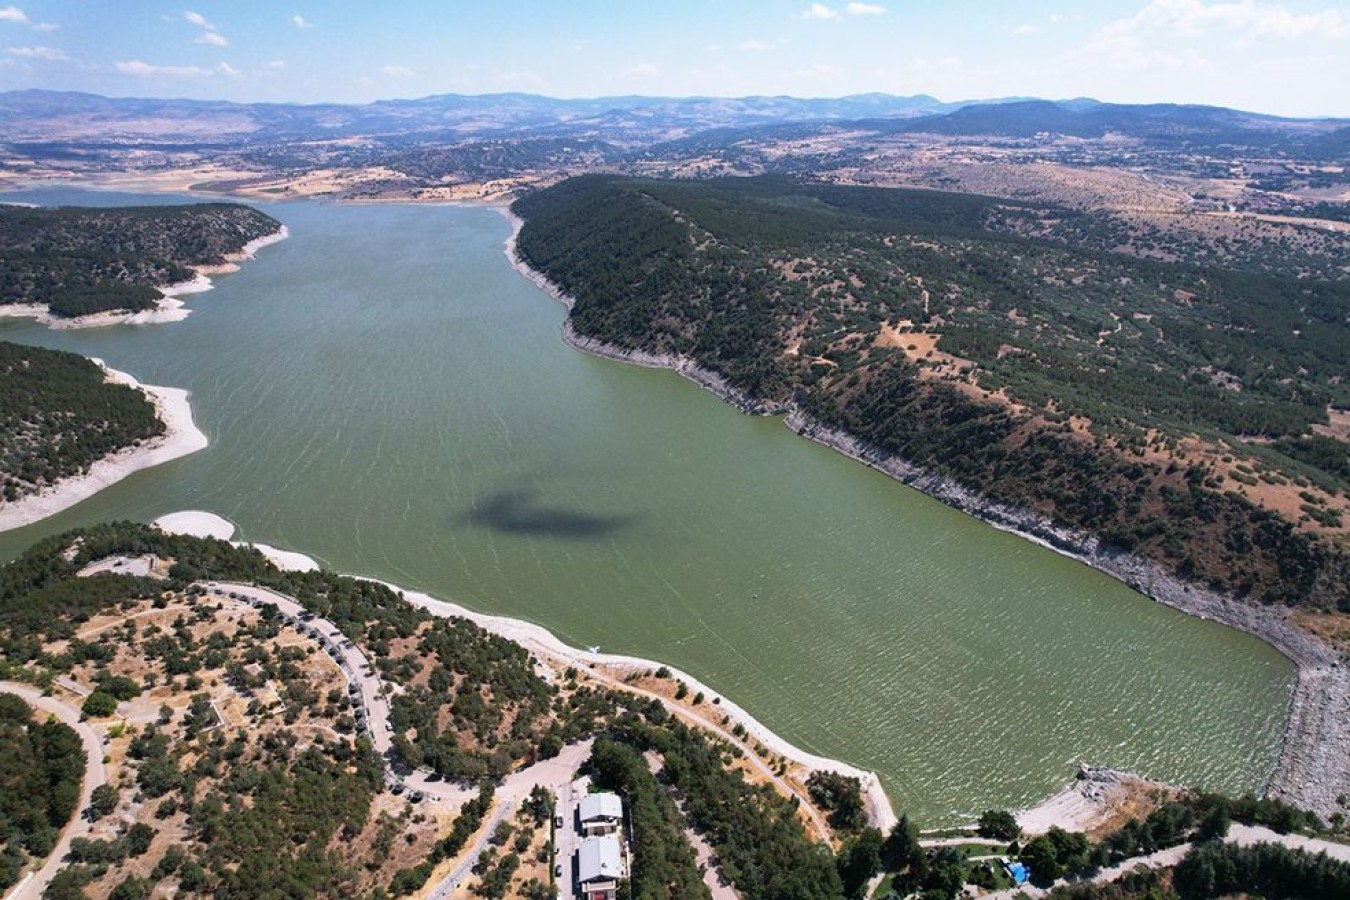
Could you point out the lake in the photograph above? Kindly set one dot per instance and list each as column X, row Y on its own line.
column 383, row 392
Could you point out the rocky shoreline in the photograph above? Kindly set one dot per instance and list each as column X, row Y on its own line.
column 1313, row 766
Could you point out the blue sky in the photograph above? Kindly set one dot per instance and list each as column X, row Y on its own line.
column 1282, row 56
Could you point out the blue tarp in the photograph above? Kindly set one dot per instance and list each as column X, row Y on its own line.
column 1019, row 872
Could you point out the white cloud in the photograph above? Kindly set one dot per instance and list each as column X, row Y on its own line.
column 398, row 71
column 820, row 70
column 1168, row 37
column 197, row 19
column 1024, row 30
column 12, row 14
column 146, row 70
column 865, row 9
column 644, row 70
column 51, row 54
column 141, row 69
column 214, row 38
column 820, row 11
column 757, row 46
column 46, row 26
column 301, row 22
column 1251, row 19
column 276, row 64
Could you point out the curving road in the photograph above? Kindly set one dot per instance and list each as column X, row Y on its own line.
column 1242, row 835
column 95, row 774
column 554, row 774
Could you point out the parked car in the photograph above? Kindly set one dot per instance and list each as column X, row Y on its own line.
column 557, row 871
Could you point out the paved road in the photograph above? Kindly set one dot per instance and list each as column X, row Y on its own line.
column 1246, row 835
column 355, row 667
column 554, row 775
column 94, row 775
column 447, row 885
column 958, row 841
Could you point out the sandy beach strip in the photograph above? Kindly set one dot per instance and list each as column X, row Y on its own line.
column 181, row 437
column 198, row 523
column 546, row 646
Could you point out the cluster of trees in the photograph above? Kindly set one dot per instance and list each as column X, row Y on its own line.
column 58, row 416
column 266, row 811
column 840, row 796
column 500, row 711
column 41, row 765
column 731, row 271
column 487, row 685
column 1272, row 871
column 763, row 848
column 1213, row 870
column 272, row 826
column 78, row 261
column 664, row 865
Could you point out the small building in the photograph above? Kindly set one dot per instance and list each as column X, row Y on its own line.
column 1017, row 871
column 599, row 867
column 600, row 813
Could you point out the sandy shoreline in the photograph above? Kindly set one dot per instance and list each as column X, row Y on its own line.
column 545, row 645
column 1313, row 766
column 181, row 437
column 167, row 309
column 198, row 523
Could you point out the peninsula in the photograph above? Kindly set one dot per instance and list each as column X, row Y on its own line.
column 82, row 267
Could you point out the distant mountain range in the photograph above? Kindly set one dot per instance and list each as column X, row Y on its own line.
column 38, row 115
column 630, row 122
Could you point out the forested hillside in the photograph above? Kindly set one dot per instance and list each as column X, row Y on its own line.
column 41, row 763
column 256, row 771
column 78, row 261
column 1178, row 410
column 58, row 416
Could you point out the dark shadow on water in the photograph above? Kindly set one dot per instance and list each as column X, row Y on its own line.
column 519, row 512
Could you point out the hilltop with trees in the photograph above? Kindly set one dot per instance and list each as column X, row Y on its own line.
column 59, row 415
column 77, row 261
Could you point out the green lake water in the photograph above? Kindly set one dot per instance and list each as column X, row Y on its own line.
column 383, row 392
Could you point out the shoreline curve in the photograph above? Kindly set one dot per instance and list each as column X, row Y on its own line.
column 181, row 436
column 1312, row 767
column 544, row 644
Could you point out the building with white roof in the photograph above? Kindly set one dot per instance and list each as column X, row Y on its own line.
column 599, row 867
column 600, row 813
